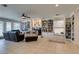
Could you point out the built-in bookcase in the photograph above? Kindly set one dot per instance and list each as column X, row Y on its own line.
column 50, row 25
column 47, row 25
column 44, row 25
column 70, row 28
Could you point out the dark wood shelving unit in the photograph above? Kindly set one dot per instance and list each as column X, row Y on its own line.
column 50, row 25
column 44, row 25
column 47, row 25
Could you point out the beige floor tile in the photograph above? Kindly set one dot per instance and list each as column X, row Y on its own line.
column 42, row 46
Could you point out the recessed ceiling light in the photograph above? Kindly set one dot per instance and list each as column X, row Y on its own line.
column 57, row 5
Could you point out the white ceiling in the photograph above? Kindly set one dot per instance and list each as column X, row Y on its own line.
column 39, row 10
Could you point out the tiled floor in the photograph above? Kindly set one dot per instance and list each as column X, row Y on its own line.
column 41, row 46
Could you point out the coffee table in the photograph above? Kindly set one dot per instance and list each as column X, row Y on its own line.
column 31, row 37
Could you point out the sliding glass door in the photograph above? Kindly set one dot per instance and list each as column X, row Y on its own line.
column 1, row 28
column 16, row 26
column 8, row 26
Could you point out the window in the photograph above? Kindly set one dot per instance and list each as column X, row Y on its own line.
column 16, row 26
column 8, row 26
column 1, row 28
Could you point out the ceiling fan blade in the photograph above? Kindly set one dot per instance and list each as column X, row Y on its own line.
column 28, row 17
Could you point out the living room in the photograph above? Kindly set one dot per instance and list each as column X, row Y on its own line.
column 38, row 28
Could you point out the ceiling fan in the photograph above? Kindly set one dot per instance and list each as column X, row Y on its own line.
column 4, row 5
column 25, row 16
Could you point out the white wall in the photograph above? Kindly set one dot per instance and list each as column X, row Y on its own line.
column 59, row 25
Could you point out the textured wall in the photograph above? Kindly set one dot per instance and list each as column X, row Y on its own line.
column 76, row 27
